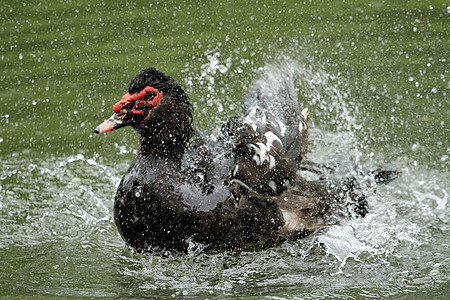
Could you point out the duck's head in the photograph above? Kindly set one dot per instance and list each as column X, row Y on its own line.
column 156, row 107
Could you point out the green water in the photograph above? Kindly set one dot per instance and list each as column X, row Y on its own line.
column 374, row 75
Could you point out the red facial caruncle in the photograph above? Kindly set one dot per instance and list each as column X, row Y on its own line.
column 139, row 102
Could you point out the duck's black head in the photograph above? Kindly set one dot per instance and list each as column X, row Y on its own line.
column 157, row 108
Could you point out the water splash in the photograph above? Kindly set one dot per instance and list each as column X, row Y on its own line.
column 320, row 90
column 48, row 199
column 341, row 241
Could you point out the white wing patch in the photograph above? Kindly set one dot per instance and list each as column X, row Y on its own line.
column 262, row 154
column 273, row 186
column 254, row 117
column 283, row 128
column 236, row 169
column 270, row 138
column 272, row 162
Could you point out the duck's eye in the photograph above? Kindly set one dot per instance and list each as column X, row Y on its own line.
column 121, row 114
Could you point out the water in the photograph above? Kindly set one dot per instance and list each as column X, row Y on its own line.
column 373, row 74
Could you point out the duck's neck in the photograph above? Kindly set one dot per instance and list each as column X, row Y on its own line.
column 166, row 150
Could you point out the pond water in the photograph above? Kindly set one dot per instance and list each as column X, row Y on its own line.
column 374, row 75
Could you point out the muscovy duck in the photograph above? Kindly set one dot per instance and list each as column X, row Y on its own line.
column 240, row 191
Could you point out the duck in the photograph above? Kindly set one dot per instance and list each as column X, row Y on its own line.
column 239, row 190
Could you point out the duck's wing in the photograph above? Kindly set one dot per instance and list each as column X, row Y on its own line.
column 271, row 109
column 260, row 163
column 270, row 140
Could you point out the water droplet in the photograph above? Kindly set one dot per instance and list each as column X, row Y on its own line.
column 434, row 273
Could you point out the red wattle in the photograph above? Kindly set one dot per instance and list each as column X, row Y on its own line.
column 117, row 107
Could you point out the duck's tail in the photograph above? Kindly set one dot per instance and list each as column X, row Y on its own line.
column 383, row 175
column 370, row 179
column 311, row 204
